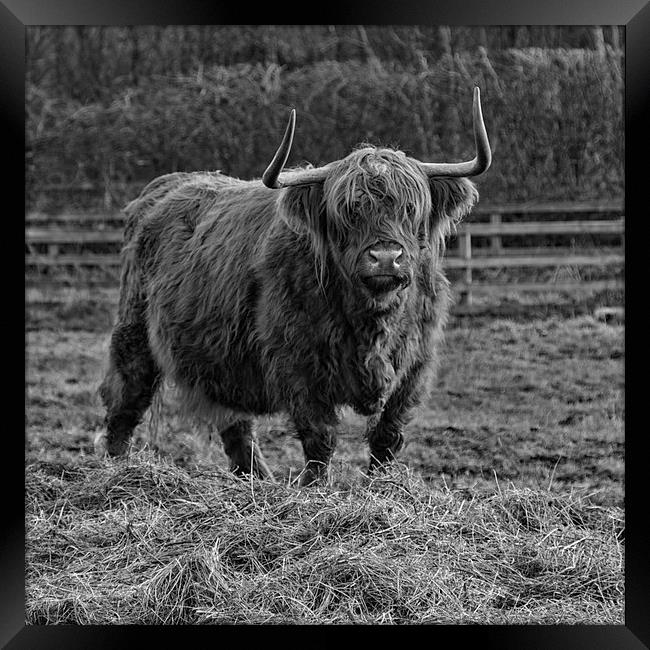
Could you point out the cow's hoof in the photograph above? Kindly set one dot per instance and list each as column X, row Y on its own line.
column 314, row 475
column 105, row 449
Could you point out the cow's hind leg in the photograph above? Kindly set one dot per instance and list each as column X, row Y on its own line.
column 241, row 447
column 128, row 388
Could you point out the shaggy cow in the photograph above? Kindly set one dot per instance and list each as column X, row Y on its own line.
column 311, row 290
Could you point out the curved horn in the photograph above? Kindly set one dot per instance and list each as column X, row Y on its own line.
column 483, row 157
column 271, row 177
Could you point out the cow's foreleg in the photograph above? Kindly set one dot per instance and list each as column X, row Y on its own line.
column 240, row 444
column 385, row 436
column 385, row 432
column 318, row 442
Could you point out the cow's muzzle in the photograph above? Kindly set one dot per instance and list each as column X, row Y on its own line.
column 383, row 268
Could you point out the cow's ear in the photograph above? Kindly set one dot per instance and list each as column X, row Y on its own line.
column 451, row 200
column 303, row 210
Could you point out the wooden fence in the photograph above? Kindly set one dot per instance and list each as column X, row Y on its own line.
column 64, row 248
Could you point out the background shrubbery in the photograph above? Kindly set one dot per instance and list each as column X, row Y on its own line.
column 112, row 108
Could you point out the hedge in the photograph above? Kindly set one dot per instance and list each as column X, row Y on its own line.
column 554, row 118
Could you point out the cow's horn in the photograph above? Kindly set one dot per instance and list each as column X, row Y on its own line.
column 483, row 157
column 274, row 178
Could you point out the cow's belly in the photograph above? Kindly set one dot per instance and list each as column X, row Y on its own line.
column 212, row 373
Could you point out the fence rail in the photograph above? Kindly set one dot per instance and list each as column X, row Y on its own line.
column 60, row 235
column 71, row 241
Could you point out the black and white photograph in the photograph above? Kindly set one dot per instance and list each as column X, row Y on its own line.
column 325, row 324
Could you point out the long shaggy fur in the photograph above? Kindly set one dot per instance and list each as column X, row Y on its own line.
column 248, row 298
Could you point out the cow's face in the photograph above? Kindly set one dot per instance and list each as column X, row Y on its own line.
column 379, row 218
column 376, row 204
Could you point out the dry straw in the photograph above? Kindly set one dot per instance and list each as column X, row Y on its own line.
column 144, row 541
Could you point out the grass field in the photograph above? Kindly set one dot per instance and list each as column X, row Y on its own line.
column 506, row 507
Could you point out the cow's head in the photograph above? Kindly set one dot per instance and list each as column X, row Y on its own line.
column 377, row 212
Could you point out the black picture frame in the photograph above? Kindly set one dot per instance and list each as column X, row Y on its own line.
column 15, row 15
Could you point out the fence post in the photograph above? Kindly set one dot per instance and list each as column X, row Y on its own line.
column 495, row 240
column 53, row 250
column 466, row 253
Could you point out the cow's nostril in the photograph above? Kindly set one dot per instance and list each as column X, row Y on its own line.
column 385, row 257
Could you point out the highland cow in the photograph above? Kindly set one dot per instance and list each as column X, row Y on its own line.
column 302, row 293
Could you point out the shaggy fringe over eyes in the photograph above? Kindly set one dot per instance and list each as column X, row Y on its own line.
column 371, row 184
